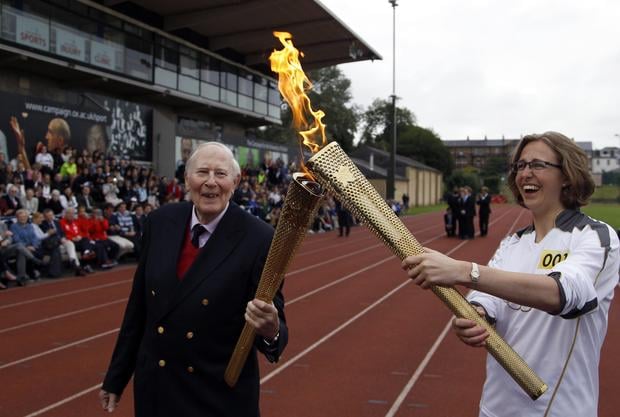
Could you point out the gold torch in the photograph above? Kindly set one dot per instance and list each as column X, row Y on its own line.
column 335, row 171
column 300, row 205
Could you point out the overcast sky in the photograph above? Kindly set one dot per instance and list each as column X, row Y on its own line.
column 490, row 68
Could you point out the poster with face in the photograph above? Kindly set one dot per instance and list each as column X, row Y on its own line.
column 114, row 127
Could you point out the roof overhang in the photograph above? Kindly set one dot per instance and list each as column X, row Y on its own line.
column 244, row 28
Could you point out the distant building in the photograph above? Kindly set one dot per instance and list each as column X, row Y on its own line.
column 475, row 152
column 605, row 160
column 422, row 183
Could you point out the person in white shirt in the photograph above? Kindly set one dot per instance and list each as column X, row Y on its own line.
column 45, row 159
column 547, row 289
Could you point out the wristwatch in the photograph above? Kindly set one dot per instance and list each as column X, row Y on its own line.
column 474, row 275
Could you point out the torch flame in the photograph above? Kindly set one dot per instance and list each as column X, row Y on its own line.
column 293, row 84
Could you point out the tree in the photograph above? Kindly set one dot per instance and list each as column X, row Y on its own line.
column 377, row 120
column 425, row 146
column 330, row 93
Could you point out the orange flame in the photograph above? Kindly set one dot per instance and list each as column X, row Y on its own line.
column 293, row 84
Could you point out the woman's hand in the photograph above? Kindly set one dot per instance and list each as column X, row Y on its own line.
column 434, row 268
column 469, row 331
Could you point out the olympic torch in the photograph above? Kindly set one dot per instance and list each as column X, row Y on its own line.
column 333, row 169
column 300, row 205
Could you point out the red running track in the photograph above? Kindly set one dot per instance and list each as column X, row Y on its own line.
column 363, row 340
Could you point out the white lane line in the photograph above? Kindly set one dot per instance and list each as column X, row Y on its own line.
column 66, row 400
column 51, row 297
column 330, row 334
column 60, row 316
column 67, row 346
column 409, row 386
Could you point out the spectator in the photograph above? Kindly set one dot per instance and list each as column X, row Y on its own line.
column 45, row 159
column 86, row 199
column 127, row 227
column 484, row 210
column 174, row 191
column 49, row 247
column 344, row 218
column 125, row 245
column 30, row 202
column 99, row 233
column 82, row 242
column 24, row 235
column 67, row 199
column 9, row 203
column 54, row 203
column 52, row 227
column 110, row 191
column 6, row 276
column 106, row 250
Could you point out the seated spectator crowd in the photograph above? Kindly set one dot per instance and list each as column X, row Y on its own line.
column 72, row 211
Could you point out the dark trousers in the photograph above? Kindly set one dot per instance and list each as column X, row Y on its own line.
column 484, row 224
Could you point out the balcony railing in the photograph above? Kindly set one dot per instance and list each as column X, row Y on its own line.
column 75, row 32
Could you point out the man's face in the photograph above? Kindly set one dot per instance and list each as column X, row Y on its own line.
column 22, row 217
column 69, row 214
column 211, row 182
column 49, row 215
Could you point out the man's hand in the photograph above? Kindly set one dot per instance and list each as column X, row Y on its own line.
column 263, row 317
column 108, row 400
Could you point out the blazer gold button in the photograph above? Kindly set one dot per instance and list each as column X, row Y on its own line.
column 153, row 293
column 160, row 330
column 189, row 335
column 205, row 301
column 190, row 369
column 162, row 363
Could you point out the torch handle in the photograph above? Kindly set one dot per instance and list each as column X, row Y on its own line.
column 300, row 205
column 240, row 355
column 503, row 353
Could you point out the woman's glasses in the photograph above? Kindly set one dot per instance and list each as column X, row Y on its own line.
column 534, row 165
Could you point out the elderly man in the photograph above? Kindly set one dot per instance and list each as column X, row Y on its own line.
column 198, row 271
column 28, row 246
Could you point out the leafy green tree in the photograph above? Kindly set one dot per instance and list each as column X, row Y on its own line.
column 462, row 177
column 425, row 146
column 377, row 121
column 331, row 94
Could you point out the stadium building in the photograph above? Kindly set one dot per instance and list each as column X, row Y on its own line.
column 148, row 80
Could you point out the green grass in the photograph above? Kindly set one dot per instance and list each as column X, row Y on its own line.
column 426, row 209
column 606, row 193
column 608, row 213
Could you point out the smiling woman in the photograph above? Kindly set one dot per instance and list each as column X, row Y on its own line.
column 548, row 288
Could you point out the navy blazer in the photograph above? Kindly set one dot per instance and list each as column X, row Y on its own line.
column 178, row 336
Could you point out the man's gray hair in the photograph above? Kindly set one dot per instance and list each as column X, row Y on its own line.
column 235, row 165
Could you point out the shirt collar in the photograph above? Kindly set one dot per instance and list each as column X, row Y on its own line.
column 212, row 225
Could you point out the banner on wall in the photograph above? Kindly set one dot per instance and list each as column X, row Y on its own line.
column 255, row 155
column 119, row 128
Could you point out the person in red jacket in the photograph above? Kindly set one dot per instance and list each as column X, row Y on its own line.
column 99, row 233
column 81, row 238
